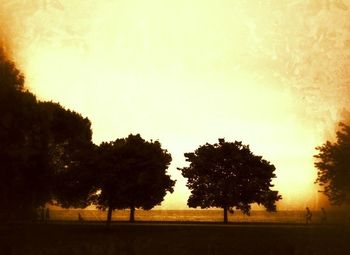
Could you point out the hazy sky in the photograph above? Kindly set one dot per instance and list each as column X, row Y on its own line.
column 273, row 74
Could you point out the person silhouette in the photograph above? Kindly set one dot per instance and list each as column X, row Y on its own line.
column 308, row 215
column 323, row 215
column 47, row 214
column 80, row 218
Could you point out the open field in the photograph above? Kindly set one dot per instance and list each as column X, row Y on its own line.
column 199, row 216
column 173, row 238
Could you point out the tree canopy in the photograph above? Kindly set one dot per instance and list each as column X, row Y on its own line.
column 333, row 164
column 22, row 146
column 132, row 174
column 40, row 143
column 71, row 154
column 228, row 175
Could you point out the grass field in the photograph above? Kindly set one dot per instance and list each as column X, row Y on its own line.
column 198, row 216
column 173, row 238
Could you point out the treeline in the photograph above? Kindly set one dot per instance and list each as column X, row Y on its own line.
column 47, row 156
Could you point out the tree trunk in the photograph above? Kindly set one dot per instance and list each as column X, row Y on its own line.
column 109, row 217
column 225, row 215
column 132, row 213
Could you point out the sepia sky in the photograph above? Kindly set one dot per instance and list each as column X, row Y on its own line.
column 274, row 74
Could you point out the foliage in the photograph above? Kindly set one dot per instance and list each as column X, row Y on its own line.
column 132, row 174
column 71, row 154
column 333, row 164
column 22, row 146
column 228, row 175
column 11, row 79
column 41, row 144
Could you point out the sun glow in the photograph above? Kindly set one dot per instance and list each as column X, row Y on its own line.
column 268, row 73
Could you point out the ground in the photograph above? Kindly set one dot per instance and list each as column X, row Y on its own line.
column 172, row 238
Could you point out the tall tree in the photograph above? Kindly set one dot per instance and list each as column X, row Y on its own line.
column 228, row 175
column 132, row 174
column 42, row 149
column 333, row 164
column 71, row 154
column 23, row 144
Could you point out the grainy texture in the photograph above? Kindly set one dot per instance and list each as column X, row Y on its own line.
column 146, row 238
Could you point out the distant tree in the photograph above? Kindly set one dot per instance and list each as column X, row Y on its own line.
column 132, row 174
column 228, row 175
column 333, row 164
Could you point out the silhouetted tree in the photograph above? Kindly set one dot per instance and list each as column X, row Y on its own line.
column 71, row 154
column 11, row 79
column 228, row 175
column 333, row 164
column 132, row 174
column 41, row 146
column 23, row 162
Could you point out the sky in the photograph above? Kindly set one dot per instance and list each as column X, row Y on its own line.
column 273, row 74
